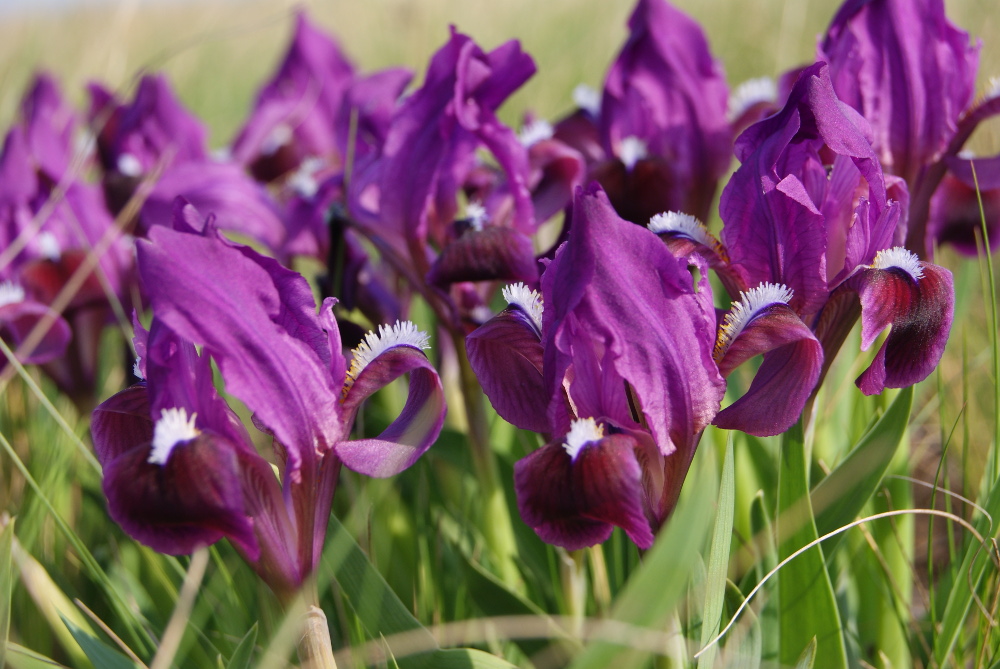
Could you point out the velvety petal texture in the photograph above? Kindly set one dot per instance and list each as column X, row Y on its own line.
column 506, row 354
column 919, row 311
column 667, row 91
column 171, row 456
column 908, row 70
column 793, row 358
column 577, row 502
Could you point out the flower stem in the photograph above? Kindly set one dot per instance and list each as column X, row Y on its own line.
column 497, row 527
column 573, row 574
column 315, row 647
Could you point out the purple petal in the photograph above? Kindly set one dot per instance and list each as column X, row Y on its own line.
column 239, row 203
column 295, row 112
column 667, row 90
column 793, row 359
column 557, row 169
column 642, row 323
column 920, row 313
column 786, row 239
column 431, row 144
column 155, row 127
column 908, row 70
column 121, row 422
column 416, row 427
column 49, row 125
column 491, row 254
column 506, row 355
column 577, row 502
column 18, row 320
column 258, row 321
column 955, row 217
column 192, row 500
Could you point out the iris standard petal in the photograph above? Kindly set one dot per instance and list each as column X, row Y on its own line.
column 252, row 316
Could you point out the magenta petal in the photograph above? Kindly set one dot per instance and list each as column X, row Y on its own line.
column 258, row 321
column 575, row 503
column 492, row 254
column 506, row 355
column 416, row 427
column 908, row 70
column 239, row 204
column 793, row 359
column 18, row 321
column 192, row 500
column 121, row 422
column 920, row 314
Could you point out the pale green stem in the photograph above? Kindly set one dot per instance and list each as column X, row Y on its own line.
column 497, row 528
column 573, row 574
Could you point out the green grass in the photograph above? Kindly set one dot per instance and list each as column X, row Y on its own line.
column 407, row 565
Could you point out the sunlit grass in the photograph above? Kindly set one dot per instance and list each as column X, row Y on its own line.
column 421, row 541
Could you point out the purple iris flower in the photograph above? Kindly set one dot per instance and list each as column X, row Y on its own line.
column 955, row 217
column 662, row 127
column 429, row 200
column 180, row 468
column 316, row 106
column 911, row 74
column 54, row 227
column 811, row 227
column 616, row 370
column 154, row 137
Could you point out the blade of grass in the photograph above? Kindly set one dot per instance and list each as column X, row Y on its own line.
column 381, row 612
column 839, row 497
column 970, row 572
column 806, row 602
column 718, row 559
column 6, row 583
column 653, row 590
column 99, row 653
column 140, row 636
column 241, row 657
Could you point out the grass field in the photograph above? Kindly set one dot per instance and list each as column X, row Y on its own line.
column 898, row 583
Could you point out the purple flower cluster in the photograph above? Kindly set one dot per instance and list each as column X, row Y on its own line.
column 611, row 345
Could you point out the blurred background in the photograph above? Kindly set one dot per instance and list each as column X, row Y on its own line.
column 218, row 53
